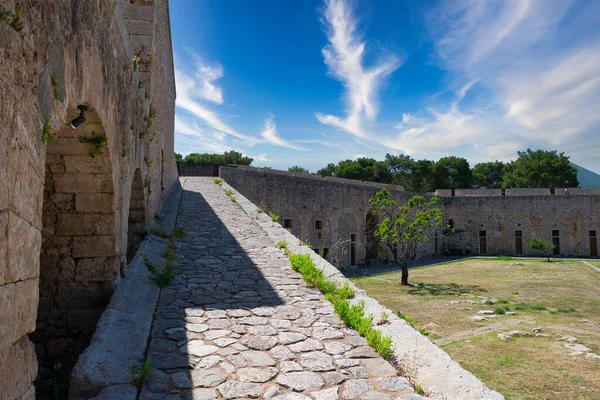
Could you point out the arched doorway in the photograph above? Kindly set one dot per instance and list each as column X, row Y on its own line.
column 78, row 258
column 136, row 226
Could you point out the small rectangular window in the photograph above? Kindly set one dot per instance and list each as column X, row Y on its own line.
column 325, row 252
column 482, row 233
column 353, row 237
column 555, row 233
column 318, row 225
column 518, row 233
column 288, row 224
column 592, row 233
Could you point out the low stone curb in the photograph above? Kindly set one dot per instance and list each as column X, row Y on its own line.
column 419, row 359
column 122, row 334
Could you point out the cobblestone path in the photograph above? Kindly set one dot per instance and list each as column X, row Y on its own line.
column 239, row 323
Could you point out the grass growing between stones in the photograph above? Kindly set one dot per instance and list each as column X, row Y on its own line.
column 167, row 274
column 352, row 315
column 139, row 374
column 524, row 366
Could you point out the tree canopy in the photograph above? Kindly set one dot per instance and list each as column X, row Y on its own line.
column 488, row 175
column 540, row 169
column 228, row 157
column 402, row 228
column 536, row 169
column 298, row 169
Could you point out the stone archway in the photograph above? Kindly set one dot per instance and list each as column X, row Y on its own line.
column 78, row 260
column 136, row 226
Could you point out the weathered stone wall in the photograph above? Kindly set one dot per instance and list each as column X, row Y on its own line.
column 78, row 222
column 343, row 205
column 534, row 216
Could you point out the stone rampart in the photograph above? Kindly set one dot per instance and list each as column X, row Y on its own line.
column 66, row 206
column 483, row 220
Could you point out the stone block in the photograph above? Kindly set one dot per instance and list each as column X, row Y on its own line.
column 83, row 183
column 3, row 245
column 28, row 193
column 138, row 27
column 67, row 146
column 137, row 204
column 62, row 202
column 55, row 163
column 138, row 12
column 18, row 369
column 6, row 314
column 88, row 165
column 102, row 203
column 25, row 304
column 24, row 243
column 97, row 269
column 94, row 246
column 85, row 224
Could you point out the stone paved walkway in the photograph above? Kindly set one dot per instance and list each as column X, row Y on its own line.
column 239, row 323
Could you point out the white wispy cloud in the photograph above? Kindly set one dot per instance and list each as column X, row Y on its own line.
column 321, row 142
column 262, row 158
column 205, row 75
column 271, row 136
column 343, row 56
column 193, row 138
column 536, row 60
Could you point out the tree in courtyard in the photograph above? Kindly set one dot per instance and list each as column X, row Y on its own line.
column 298, row 169
column 402, row 228
column 542, row 246
column 178, row 157
column 488, row 175
column 329, row 170
column 540, row 169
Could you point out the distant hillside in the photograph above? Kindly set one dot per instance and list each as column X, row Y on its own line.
column 587, row 178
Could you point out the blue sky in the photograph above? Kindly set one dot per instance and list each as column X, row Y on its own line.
column 303, row 82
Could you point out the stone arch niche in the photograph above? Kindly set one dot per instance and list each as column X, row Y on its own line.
column 78, row 259
column 371, row 246
column 136, row 224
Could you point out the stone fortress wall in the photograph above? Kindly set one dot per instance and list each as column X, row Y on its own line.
column 485, row 221
column 67, row 219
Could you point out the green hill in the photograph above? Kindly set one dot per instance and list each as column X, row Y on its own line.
column 587, row 178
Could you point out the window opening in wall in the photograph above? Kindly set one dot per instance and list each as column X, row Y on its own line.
column 518, row 242
column 325, row 252
column 556, row 242
column 450, row 224
column 353, row 249
column 318, row 225
column 593, row 244
column 288, row 224
column 436, row 244
column 482, row 242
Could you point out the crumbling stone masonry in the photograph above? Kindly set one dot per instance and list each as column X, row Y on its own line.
column 484, row 221
column 72, row 210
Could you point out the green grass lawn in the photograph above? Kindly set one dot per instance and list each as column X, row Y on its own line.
column 449, row 295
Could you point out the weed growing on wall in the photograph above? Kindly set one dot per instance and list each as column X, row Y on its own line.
column 54, row 83
column 12, row 18
column 282, row 244
column 352, row 315
column 167, row 275
column 274, row 217
column 47, row 133
column 218, row 181
column 99, row 142
column 140, row 374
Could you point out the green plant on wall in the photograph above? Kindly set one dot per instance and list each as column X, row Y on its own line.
column 12, row 18
column 99, row 142
column 148, row 185
column 54, row 83
column 135, row 61
column 47, row 133
column 148, row 120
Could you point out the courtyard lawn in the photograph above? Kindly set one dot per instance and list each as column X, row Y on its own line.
column 533, row 367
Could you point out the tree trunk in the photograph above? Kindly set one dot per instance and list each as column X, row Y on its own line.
column 404, row 267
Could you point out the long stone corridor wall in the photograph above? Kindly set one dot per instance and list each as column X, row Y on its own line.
column 343, row 206
column 64, row 214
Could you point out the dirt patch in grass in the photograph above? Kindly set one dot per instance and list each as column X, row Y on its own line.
column 450, row 295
